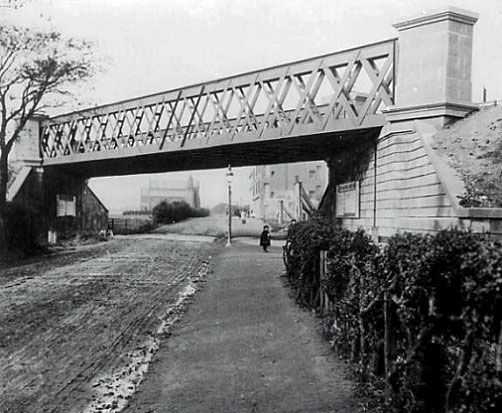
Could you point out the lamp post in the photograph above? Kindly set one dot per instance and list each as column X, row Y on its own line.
column 229, row 176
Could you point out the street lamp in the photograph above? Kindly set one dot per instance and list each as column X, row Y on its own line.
column 229, row 176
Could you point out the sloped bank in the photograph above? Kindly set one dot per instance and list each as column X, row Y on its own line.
column 473, row 147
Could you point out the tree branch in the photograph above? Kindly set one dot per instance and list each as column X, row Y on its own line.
column 36, row 67
column 5, row 65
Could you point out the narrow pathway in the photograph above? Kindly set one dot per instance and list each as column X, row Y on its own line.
column 244, row 346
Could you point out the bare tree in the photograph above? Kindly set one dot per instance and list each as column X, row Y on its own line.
column 37, row 70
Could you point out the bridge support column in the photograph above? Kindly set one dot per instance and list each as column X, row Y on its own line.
column 60, row 201
column 39, row 192
column 351, row 167
column 64, row 194
column 26, row 151
column 434, row 67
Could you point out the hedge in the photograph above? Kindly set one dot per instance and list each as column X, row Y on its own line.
column 423, row 314
column 170, row 212
column 21, row 229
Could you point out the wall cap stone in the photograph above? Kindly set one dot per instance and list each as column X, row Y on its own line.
column 430, row 110
column 450, row 13
column 489, row 213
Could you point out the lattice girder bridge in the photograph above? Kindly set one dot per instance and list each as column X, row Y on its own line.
column 338, row 92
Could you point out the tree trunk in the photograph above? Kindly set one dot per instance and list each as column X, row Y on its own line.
column 4, row 177
column 3, row 242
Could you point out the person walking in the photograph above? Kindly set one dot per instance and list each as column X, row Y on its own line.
column 265, row 238
column 290, row 228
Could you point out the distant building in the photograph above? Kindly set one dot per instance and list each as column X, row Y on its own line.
column 273, row 187
column 170, row 191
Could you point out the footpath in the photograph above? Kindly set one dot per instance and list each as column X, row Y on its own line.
column 244, row 346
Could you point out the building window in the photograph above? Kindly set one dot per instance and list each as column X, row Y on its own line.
column 318, row 171
column 266, row 190
column 271, row 194
column 311, row 194
column 318, row 190
column 311, row 174
column 272, row 173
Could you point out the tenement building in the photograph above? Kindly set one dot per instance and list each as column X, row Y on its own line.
column 275, row 189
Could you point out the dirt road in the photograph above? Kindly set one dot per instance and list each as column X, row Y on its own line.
column 217, row 226
column 77, row 332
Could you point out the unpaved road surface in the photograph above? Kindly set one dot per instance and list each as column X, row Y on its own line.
column 77, row 331
column 217, row 226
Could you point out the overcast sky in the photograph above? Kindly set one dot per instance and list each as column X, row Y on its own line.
column 153, row 45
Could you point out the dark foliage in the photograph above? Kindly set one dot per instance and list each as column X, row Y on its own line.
column 424, row 314
column 137, row 212
column 127, row 226
column 168, row 213
column 21, row 229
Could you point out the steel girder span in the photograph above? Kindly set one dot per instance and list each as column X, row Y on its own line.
column 292, row 112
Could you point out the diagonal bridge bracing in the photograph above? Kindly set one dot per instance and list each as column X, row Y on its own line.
column 343, row 91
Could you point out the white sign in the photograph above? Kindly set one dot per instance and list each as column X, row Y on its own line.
column 347, row 200
column 66, row 206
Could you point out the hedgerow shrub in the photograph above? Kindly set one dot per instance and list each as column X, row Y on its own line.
column 349, row 258
column 306, row 240
column 21, row 228
column 425, row 313
column 169, row 212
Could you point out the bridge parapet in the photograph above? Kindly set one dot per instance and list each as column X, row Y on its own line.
column 338, row 91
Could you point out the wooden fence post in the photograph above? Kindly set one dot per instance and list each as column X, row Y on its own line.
column 324, row 299
column 321, row 275
column 362, row 341
column 386, row 344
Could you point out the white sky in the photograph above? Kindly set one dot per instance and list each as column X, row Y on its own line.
column 155, row 45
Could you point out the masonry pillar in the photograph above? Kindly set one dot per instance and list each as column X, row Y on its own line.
column 28, row 184
column 25, row 163
column 64, row 192
column 39, row 188
column 434, row 67
column 26, row 151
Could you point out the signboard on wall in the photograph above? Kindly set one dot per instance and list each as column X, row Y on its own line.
column 66, row 206
column 347, row 200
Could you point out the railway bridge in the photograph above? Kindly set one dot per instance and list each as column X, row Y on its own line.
column 369, row 112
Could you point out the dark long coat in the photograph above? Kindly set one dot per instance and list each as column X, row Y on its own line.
column 265, row 239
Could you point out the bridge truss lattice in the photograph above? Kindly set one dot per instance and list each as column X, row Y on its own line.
column 343, row 90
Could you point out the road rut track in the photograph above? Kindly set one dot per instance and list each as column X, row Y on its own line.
column 123, row 338
column 154, row 291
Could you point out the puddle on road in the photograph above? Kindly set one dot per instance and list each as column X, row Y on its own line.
column 112, row 391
